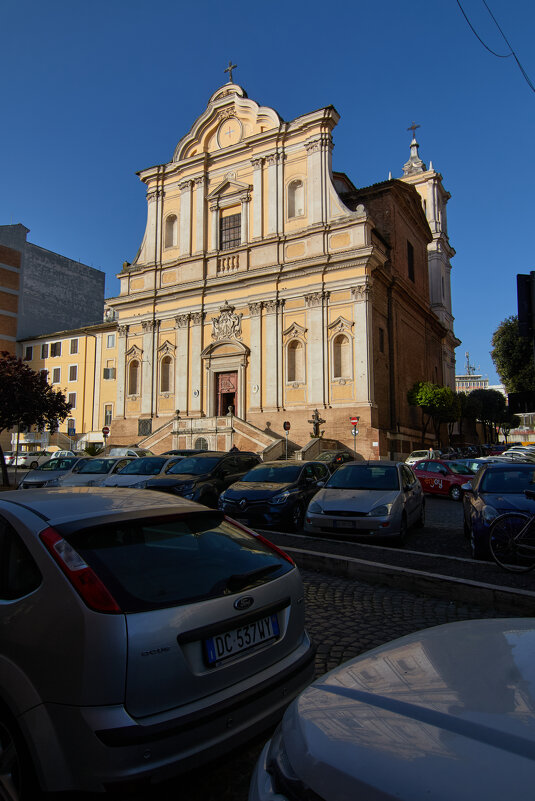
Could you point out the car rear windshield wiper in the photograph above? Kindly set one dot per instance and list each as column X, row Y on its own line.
column 238, row 581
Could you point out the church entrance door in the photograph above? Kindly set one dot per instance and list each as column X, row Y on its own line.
column 226, row 392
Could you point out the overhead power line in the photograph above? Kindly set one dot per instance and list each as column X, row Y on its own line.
column 498, row 55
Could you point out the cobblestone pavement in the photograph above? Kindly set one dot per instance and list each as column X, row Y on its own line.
column 344, row 618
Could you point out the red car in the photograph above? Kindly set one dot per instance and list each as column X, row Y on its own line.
column 441, row 477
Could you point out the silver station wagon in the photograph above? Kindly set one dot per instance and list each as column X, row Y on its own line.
column 140, row 635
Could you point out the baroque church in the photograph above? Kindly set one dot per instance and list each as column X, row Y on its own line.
column 268, row 288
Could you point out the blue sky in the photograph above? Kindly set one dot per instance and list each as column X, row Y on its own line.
column 93, row 92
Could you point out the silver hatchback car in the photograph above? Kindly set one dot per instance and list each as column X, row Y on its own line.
column 140, row 635
column 368, row 499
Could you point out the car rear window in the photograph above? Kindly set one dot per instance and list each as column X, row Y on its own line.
column 155, row 563
column 145, row 466
column 508, row 481
column 195, row 466
column 368, row 477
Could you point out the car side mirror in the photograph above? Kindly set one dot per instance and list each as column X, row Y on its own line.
column 467, row 487
column 320, row 483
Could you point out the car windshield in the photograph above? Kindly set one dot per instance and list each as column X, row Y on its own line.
column 269, row 474
column 59, row 464
column 97, row 466
column 461, row 469
column 419, row 454
column 508, row 481
column 195, row 466
column 154, row 563
column 364, row 477
column 147, row 466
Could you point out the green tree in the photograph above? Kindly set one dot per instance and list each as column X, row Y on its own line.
column 489, row 407
column 27, row 399
column 513, row 357
column 437, row 404
column 509, row 422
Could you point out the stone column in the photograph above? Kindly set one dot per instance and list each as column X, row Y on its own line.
column 122, row 332
column 273, row 353
column 317, row 361
column 255, row 366
column 214, row 226
column 364, row 392
column 244, row 218
column 199, row 213
column 153, row 234
column 195, row 371
column 273, row 193
column 258, row 199
column 182, row 363
column 318, row 168
column 185, row 217
column 149, row 362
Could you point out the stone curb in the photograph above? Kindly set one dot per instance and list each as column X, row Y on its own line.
column 503, row 599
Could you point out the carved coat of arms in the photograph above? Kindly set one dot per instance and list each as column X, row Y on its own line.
column 228, row 324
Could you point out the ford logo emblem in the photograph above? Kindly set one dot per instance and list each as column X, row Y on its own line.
column 243, row 503
column 243, row 603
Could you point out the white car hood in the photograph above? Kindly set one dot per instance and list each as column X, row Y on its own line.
column 354, row 500
column 448, row 712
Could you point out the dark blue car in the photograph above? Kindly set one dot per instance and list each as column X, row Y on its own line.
column 497, row 488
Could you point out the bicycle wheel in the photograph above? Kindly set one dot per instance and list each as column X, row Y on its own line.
column 509, row 548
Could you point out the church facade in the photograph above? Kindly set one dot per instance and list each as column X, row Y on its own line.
column 267, row 288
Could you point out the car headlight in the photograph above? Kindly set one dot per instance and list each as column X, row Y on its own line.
column 283, row 497
column 140, row 485
column 285, row 780
column 381, row 511
column 54, row 482
column 314, row 508
column 489, row 513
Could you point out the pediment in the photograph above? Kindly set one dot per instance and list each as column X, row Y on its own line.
column 295, row 331
column 166, row 349
column 340, row 325
column 225, row 348
column 229, row 187
column 230, row 102
column 134, row 353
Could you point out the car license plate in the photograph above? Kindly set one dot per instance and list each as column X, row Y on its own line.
column 223, row 646
column 345, row 524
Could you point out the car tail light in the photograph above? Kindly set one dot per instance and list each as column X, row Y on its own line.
column 84, row 580
column 262, row 539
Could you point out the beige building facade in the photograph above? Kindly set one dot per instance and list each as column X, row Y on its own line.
column 268, row 288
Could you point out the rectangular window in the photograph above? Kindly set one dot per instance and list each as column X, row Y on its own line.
column 108, row 414
column 410, row 261
column 44, row 351
column 110, row 341
column 56, row 375
column 73, row 372
column 230, row 232
column 44, row 373
column 108, row 373
column 381, row 340
column 74, row 346
column 55, row 349
column 28, row 353
column 72, row 399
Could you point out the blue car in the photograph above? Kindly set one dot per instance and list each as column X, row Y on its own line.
column 497, row 488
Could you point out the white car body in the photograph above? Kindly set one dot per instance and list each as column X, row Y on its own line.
column 444, row 713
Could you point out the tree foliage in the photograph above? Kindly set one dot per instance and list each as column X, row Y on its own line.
column 513, row 357
column 438, row 405
column 27, row 399
column 489, row 407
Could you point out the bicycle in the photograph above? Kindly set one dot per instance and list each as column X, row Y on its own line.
column 512, row 540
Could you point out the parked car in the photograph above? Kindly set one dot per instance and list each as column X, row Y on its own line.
column 497, row 488
column 60, row 454
column 31, row 459
column 130, row 451
column 9, row 457
column 203, row 477
column 94, row 472
column 138, row 638
column 184, row 452
column 428, row 715
column 274, row 493
column 137, row 471
column 368, row 499
column 440, row 477
column 334, row 459
column 417, row 456
column 49, row 473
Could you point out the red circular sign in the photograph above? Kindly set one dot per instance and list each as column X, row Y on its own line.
column 353, row 420
column 286, row 425
column 105, row 431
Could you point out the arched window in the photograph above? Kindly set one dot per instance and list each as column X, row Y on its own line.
column 296, row 199
column 341, row 357
column 165, row 374
column 133, row 377
column 201, row 444
column 296, row 361
column 171, row 229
